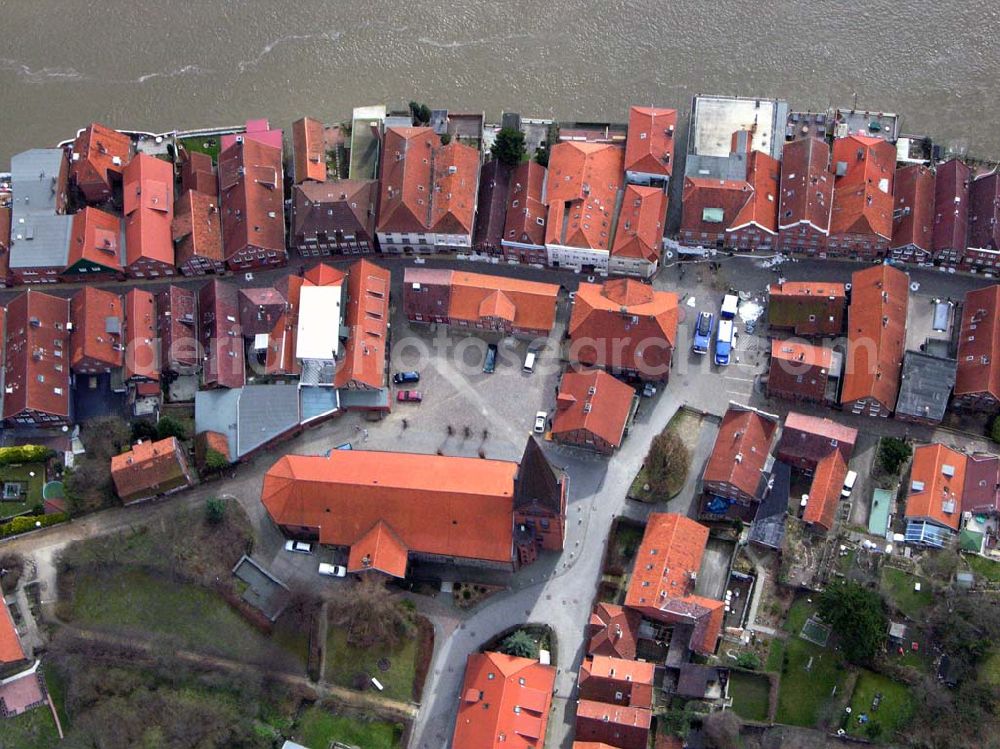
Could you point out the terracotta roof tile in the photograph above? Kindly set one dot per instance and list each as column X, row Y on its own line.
column 862, row 195
column 984, row 212
column 662, row 583
column 36, row 374
column 824, row 490
column 251, row 181
column 352, row 203
column 197, row 229
column 592, row 402
column 10, row 644
column 914, row 204
column 461, row 507
column 712, row 205
column 198, row 174
column 811, row 438
column 224, row 363
column 741, row 450
column 979, row 358
column 583, row 184
column 141, row 354
column 876, row 322
column 649, row 148
column 367, row 320
column 762, row 208
column 937, row 483
column 280, row 357
column 149, row 468
column 807, row 308
column 624, row 316
column 802, row 354
column 256, row 130
column 602, row 676
column 175, row 309
column 149, row 210
column 98, row 321
column 951, row 206
column 323, row 274
column 494, row 186
column 505, row 703
column 96, row 239
column 641, row 223
column 612, row 630
column 309, row 150
column 526, row 211
column 379, row 549
column 98, row 152
column 806, row 184
column 604, row 713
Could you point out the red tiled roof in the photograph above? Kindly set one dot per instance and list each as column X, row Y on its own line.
column 34, row 368
column 254, row 131
column 628, row 321
column 95, row 153
column 96, row 238
column 876, row 322
column 198, row 174
column 525, row 208
column 309, row 150
column 807, row 289
column 593, row 402
column 98, row 320
column 984, row 212
column 175, row 309
column 427, row 187
column 741, row 450
column 583, row 183
column 280, row 357
column 914, row 205
column 801, row 354
column 981, row 492
column 762, row 208
column 10, row 644
column 147, row 465
column 221, row 338
column 937, row 482
column 197, row 230
column 600, row 674
column 149, row 210
column 981, row 372
column 505, row 703
column 951, row 206
column 612, row 631
column 352, row 203
column 824, row 491
column 323, row 274
column 862, row 196
column 806, row 184
column 379, row 549
column 141, row 354
column 641, row 223
column 454, row 507
column 662, row 584
column 602, row 712
column 491, row 204
column 704, row 197
column 595, row 745
column 811, row 438
column 367, row 320
column 649, row 148
column 251, row 180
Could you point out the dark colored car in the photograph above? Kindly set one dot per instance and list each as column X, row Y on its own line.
column 490, row 365
column 404, row 378
column 409, row 396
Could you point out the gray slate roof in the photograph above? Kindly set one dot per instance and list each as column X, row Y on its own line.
column 39, row 236
column 926, row 385
column 250, row 416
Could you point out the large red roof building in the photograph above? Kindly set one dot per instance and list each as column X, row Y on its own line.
column 142, row 353
column 251, row 180
column 592, row 410
column 861, row 220
column 524, row 221
column 625, row 327
column 96, row 341
column 951, row 211
column 639, row 236
column 367, row 320
column 710, row 206
column 607, row 685
column 755, row 227
column 36, row 370
column 977, row 381
column 807, row 308
column 913, row 216
column 799, row 371
column 649, row 147
column 984, row 222
column 806, row 196
column 427, row 193
column 197, row 234
column 175, row 307
column 505, row 703
column 149, row 213
column 934, row 500
column 308, row 151
column 99, row 156
column 876, row 340
column 662, row 586
column 612, row 631
column 737, row 468
column 334, row 217
column 96, row 247
column 150, row 469
column 223, row 358
column 612, row 725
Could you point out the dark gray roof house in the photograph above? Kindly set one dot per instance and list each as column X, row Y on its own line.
column 925, row 388
column 250, row 417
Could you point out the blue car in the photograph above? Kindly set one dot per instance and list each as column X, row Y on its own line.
column 405, row 378
column 703, row 332
column 724, row 343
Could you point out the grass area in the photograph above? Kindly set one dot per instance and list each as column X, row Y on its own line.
column 774, row 655
column 983, row 567
column 989, row 669
column 798, row 613
column 898, row 587
column 191, row 616
column 55, row 684
column 750, row 694
column 34, row 729
column 803, row 692
column 686, row 425
column 345, row 664
column 210, row 145
column 318, row 728
column 894, row 709
column 34, row 483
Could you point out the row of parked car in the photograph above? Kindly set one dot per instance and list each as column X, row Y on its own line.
column 725, row 335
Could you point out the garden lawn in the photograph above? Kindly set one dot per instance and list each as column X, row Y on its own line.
column 798, row 614
column 34, row 729
column 750, row 694
column 894, row 709
column 344, row 662
column 687, row 426
column 804, row 693
column 319, row 728
column 194, row 618
column 983, row 567
column 199, row 145
column 898, row 586
column 35, row 484
column 774, row 655
column 989, row 670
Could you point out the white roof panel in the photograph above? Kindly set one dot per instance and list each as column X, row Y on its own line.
column 319, row 323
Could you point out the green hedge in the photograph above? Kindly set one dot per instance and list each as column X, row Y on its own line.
column 24, row 454
column 26, row 523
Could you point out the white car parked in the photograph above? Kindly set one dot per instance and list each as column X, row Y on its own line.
column 332, row 570
column 540, row 419
column 300, row 547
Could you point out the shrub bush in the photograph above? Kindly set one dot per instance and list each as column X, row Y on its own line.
column 24, row 454
column 26, row 523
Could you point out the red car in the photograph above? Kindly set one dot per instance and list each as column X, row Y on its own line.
column 409, row 396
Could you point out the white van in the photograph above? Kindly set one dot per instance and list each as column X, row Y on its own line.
column 529, row 363
column 849, row 481
column 730, row 304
